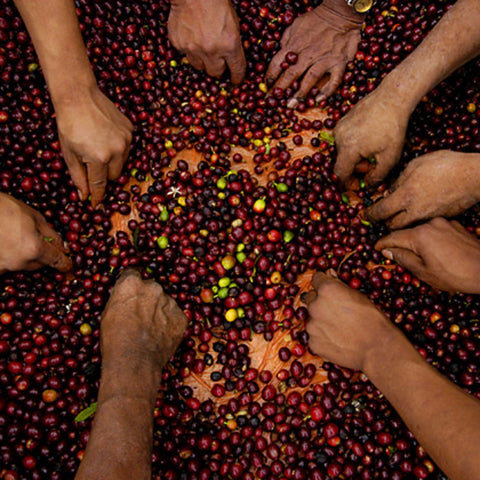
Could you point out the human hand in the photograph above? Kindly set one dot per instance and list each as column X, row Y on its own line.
column 140, row 321
column 442, row 183
column 95, row 139
column 344, row 326
column 208, row 32
column 439, row 252
column 374, row 128
column 28, row 242
column 324, row 39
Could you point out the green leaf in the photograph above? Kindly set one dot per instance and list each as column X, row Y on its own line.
column 86, row 412
column 48, row 239
column 345, row 199
column 326, row 137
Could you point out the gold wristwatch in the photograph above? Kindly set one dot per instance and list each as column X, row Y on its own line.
column 360, row 6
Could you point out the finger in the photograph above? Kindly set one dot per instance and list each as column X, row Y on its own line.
column 352, row 46
column 237, row 65
column 311, row 78
column 290, row 75
column 405, row 258
column 215, row 66
column 50, row 235
column 402, row 179
column 274, row 69
column 347, row 158
column 53, row 256
column 404, row 219
column 97, row 181
column 385, row 161
column 400, row 239
column 459, row 227
column 386, row 207
column 309, row 297
column 128, row 273
column 319, row 279
column 78, row 173
column 336, row 76
column 195, row 62
column 123, row 285
column 116, row 165
column 33, row 266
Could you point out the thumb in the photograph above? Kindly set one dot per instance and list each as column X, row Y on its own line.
column 52, row 255
column 237, row 65
column 385, row 161
column 405, row 258
column 347, row 158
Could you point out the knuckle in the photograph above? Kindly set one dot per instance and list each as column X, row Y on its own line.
column 312, row 75
column 327, row 288
column 102, row 157
column 98, row 182
column 33, row 248
column 210, row 48
column 438, row 222
column 423, row 235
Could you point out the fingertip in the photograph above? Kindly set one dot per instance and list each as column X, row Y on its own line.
column 97, row 198
column 374, row 212
column 319, row 278
column 387, row 253
column 237, row 78
column 68, row 265
column 127, row 274
column 372, row 180
column 237, row 67
column 82, row 195
column 399, row 221
column 342, row 174
column 309, row 297
column 380, row 244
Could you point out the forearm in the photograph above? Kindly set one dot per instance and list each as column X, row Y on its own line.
column 55, row 33
column 438, row 413
column 453, row 41
column 120, row 443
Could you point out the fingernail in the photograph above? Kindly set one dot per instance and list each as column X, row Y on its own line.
column 320, row 97
column 388, row 254
column 292, row 103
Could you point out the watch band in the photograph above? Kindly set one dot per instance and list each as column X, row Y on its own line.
column 360, row 6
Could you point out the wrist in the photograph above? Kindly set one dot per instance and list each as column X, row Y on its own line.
column 387, row 348
column 403, row 86
column 394, row 99
column 339, row 9
column 129, row 376
column 71, row 90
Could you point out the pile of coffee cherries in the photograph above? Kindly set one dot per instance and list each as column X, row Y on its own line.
column 228, row 199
